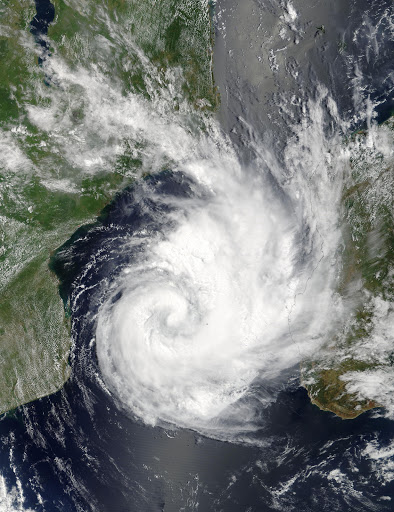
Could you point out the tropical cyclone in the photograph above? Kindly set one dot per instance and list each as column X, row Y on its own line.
column 227, row 291
column 242, row 280
column 224, row 290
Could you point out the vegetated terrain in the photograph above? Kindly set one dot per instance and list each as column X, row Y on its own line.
column 61, row 165
column 362, row 348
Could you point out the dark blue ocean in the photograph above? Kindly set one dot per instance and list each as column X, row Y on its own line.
column 79, row 450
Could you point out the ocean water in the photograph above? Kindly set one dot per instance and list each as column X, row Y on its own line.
column 201, row 287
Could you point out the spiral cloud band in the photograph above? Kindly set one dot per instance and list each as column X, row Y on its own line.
column 230, row 284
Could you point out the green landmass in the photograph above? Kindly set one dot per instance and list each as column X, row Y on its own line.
column 46, row 193
column 366, row 279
